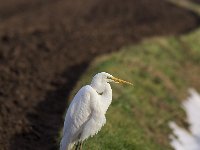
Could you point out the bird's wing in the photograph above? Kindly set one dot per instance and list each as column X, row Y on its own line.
column 80, row 109
column 77, row 115
column 96, row 118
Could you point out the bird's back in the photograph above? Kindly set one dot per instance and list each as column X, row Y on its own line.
column 77, row 115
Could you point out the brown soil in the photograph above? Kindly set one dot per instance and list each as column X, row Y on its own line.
column 196, row 1
column 46, row 45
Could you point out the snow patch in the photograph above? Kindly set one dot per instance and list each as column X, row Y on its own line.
column 182, row 139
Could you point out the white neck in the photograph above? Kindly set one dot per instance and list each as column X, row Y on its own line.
column 106, row 97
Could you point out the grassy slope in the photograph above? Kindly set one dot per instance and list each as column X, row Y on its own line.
column 162, row 70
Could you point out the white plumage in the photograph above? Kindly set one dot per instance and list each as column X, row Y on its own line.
column 86, row 113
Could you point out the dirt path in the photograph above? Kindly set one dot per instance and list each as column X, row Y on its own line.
column 46, row 46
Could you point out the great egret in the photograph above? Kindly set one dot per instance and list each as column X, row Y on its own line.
column 86, row 113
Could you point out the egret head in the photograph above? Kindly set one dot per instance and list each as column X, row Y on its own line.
column 99, row 81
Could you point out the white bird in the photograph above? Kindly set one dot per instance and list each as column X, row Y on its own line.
column 86, row 113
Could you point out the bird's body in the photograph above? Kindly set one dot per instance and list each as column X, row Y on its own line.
column 86, row 113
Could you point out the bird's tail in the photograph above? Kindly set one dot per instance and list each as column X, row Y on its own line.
column 66, row 145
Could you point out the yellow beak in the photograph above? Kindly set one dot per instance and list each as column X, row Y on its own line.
column 116, row 80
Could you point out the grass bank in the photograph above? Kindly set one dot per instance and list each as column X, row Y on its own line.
column 161, row 69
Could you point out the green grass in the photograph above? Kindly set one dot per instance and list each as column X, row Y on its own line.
column 161, row 69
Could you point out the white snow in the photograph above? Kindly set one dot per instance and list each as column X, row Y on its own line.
column 182, row 139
